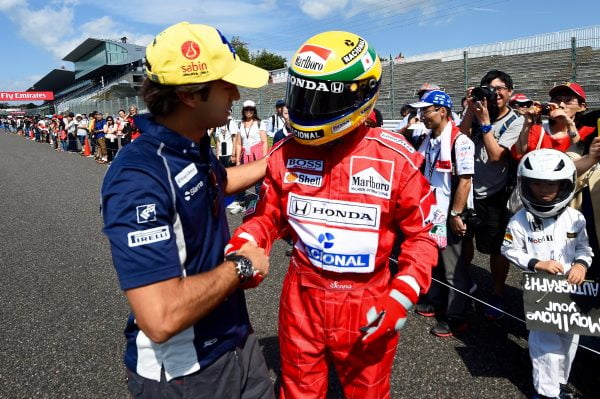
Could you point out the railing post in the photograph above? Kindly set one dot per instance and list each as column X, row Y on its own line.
column 466, row 70
column 573, row 59
column 392, row 94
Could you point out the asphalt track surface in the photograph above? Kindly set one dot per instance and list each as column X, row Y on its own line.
column 62, row 313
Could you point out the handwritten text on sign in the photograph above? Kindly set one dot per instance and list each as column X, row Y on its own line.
column 552, row 304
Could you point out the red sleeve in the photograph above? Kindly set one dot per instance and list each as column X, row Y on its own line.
column 419, row 252
column 266, row 224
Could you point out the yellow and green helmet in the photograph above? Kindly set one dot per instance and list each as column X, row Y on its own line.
column 333, row 83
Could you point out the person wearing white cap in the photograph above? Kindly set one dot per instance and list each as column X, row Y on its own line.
column 189, row 333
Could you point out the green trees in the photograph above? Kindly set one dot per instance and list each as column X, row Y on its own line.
column 263, row 58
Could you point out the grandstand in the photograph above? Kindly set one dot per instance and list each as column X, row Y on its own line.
column 99, row 65
column 535, row 63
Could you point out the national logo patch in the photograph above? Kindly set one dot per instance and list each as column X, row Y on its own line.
column 371, row 176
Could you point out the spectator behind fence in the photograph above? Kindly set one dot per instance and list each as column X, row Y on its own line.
column 163, row 210
column 449, row 169
column 110, row 137
column 135, row 132
column 225, row 137
column 285, row 130
column 494, row 127
column 123, row 132
column 101, row 154
column 92, row 133
column 276, row 121
column 71, row 128
column 82, row 130
column 549, row 236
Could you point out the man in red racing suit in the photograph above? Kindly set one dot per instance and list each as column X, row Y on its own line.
column 344, row 205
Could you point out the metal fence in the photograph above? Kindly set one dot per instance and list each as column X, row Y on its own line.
column 536, row 64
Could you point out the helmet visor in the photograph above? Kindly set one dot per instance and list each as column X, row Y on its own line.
column 312, row 102
column 564, row 190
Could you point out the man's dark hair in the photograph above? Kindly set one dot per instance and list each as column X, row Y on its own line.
column 122, row 110
column 496, row 74
column 162, row 99
column 449, row 112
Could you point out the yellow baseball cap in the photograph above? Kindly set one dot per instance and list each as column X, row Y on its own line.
column 187, row 53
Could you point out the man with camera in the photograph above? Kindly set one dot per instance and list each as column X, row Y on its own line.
column 448, row 167
column 494, row 127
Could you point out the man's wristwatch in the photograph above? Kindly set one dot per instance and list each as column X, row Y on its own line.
column 453, row 213
column 243, row 266
column 485, row 128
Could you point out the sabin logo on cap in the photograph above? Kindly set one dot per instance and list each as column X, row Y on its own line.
column 190, row 50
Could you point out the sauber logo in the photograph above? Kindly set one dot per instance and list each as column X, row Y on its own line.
column 312, row 57
column 303, row 178
column 371, row 176
column 190, row 50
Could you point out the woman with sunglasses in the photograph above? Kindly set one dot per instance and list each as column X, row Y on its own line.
column 250, row 142
column 110, row 135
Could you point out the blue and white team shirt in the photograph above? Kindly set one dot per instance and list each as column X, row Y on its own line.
column 162, row 205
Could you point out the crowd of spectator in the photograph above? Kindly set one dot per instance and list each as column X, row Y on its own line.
column 94, row 135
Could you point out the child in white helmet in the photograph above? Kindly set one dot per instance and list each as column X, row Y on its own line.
column 549, row 235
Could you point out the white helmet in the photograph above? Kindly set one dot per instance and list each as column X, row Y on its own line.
column 546, row 165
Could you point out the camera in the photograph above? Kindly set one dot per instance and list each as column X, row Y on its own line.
column 545, row 108
column 471, row 220
column 484, row 92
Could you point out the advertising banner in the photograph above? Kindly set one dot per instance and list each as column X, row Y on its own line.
column 552, row 304
column 26, row 95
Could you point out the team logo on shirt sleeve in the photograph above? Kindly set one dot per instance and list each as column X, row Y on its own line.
column 146, row 213
column 149, row 236
column 508, row 238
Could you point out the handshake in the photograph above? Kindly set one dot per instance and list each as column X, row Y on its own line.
column 245, row 245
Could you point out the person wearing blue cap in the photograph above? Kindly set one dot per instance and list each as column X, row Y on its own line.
column 276, row 121
column 449, row 167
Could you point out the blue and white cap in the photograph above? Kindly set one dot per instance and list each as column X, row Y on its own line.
column 434, row 97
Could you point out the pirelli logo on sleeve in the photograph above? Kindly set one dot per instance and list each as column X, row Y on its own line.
column 149, row 236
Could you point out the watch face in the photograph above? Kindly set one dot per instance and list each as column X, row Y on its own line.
column 245, row 267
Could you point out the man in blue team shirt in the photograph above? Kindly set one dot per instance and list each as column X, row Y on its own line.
column 162, row 204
